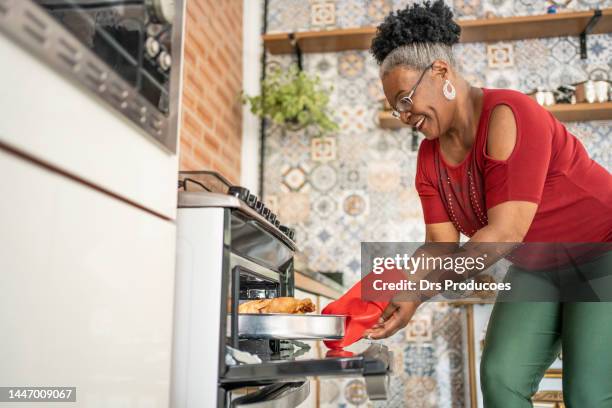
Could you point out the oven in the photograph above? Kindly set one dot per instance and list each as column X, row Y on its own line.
column 127, row 52
column 231, row 248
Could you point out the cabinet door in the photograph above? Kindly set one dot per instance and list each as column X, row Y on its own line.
column 86, row 290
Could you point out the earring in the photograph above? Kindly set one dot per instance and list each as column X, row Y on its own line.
column 449, row 90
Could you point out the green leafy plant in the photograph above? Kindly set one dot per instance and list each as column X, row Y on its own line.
column 293, row 99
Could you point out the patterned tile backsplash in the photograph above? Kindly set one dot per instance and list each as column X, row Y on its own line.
column 304, row 15
column 358, row 184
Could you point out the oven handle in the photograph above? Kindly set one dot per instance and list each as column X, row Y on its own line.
column 377, row 386
column 285, row 395
column 235, row 303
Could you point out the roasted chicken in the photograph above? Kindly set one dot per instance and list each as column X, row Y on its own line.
column 278, row 305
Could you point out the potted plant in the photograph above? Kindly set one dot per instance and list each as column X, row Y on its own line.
column 294, row 100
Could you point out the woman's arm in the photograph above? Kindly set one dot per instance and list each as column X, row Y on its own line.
column 441, row 232
column 399, row 313
column 507, row 224
column 509, row 221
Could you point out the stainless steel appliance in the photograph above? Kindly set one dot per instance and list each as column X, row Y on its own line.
column 231, row 248
column 125, row 51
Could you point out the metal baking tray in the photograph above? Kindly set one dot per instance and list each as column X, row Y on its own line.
column 290, row 326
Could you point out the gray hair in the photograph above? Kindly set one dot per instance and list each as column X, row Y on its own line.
column 417, row 56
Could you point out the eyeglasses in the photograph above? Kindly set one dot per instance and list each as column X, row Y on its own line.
column 404, row 102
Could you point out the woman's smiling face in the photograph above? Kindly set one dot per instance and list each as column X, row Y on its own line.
column 429, row 111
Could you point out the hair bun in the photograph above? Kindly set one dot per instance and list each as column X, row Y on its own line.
column 418, row 23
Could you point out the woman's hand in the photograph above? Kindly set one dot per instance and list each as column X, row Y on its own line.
column 394, row 317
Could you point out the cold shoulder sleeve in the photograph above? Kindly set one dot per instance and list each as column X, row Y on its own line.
column 522, row 175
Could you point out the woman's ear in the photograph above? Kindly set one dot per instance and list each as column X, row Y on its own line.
column 440, row 68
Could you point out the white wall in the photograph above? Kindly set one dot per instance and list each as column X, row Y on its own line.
column 251, row 74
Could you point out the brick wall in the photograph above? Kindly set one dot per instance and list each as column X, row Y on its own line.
column 212, row 113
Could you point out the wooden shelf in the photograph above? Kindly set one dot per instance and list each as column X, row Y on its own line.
column 582, row 111
column 540, row 26
column 308, row 284
column 486, row 30
column 321, row 41
column 563, row 112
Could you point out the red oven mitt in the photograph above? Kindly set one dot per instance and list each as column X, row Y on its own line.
column 361, row 314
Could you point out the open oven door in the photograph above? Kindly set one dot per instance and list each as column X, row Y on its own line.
column 370, row 361
column 289, row 394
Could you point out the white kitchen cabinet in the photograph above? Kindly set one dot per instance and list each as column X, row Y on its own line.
column 86, row 290
column 48, row 117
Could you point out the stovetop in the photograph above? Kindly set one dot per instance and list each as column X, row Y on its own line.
column 210, row 189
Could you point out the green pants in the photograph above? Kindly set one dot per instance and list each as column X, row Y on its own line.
column 524, row 338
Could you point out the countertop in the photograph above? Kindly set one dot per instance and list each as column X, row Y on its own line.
column 318, row 284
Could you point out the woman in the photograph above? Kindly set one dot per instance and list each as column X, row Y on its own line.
column 497, row 167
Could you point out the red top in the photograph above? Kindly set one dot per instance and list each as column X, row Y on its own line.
column 548, row 166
